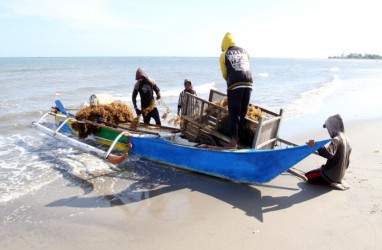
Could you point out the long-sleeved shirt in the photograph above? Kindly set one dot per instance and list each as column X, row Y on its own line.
column 235, row 65
column 337, row 152
column 145, row 88
column 182, row 97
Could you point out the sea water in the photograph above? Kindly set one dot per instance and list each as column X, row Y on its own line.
column 308, row 91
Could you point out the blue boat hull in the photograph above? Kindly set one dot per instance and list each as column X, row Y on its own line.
column 245, row 165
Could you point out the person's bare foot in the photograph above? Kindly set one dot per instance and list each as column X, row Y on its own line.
column 345, row 184
column 339, row 186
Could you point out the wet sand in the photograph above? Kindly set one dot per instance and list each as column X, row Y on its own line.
column 148, row 206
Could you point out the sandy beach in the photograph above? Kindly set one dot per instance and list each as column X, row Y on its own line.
column 190, row 211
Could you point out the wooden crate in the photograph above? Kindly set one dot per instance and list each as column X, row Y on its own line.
column 205, row 117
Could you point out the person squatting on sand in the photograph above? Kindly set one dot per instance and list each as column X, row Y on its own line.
column 187, row 89
column 235, row 68
column 337, row 153
column 146, row 86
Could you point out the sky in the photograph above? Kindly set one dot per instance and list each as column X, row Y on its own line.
column 265, row 28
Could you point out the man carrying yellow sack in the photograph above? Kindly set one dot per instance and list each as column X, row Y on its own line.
column 235, row 67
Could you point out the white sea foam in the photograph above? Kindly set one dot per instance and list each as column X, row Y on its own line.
column 200, row 89
column 312, row 101
column 29, row 163
column 359, row 98
column 205, row 88
column 21, row 168
column 173, row 92
column 262, row 75
column 334, row 69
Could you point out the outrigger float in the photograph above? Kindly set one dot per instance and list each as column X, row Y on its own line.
column 190, row 147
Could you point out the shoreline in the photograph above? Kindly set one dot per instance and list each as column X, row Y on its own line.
column 151, row 206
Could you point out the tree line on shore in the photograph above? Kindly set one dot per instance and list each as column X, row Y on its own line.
column 356, row 56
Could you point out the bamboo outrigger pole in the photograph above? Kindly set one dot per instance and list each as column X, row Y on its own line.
column 114, row 159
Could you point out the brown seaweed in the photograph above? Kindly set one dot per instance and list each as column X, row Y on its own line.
column 113, row 113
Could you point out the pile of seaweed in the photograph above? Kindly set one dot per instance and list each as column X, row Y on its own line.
column 113, row 113
column 253, row 113
column 249, row 130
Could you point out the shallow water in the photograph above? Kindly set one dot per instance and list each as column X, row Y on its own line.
column 308, row 90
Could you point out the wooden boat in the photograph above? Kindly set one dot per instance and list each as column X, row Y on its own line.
column 165, row 145
column 241, row 165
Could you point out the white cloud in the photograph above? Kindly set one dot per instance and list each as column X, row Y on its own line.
column 274, row 28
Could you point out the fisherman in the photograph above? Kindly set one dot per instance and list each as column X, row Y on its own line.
column 337, row 153
column 235, row 68
column 187, row 89
column 146, row 86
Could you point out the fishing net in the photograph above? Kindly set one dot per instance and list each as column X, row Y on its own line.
column 111, row 114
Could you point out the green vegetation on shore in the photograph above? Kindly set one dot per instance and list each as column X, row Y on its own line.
column 356, row 56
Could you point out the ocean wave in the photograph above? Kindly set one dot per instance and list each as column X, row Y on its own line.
column 262, row 75
column 21, row 168
column 205, row 88
column 24, row 104
column 29, row 163
column 9, row 117
column 334, row 69
column 311, row 101
column 200, row 89
column 173, row 92
column 28, row 70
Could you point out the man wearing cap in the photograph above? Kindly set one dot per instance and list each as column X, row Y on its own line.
column 235, row 68
column 146, row 86
column 187, row 89
column 337, row 153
